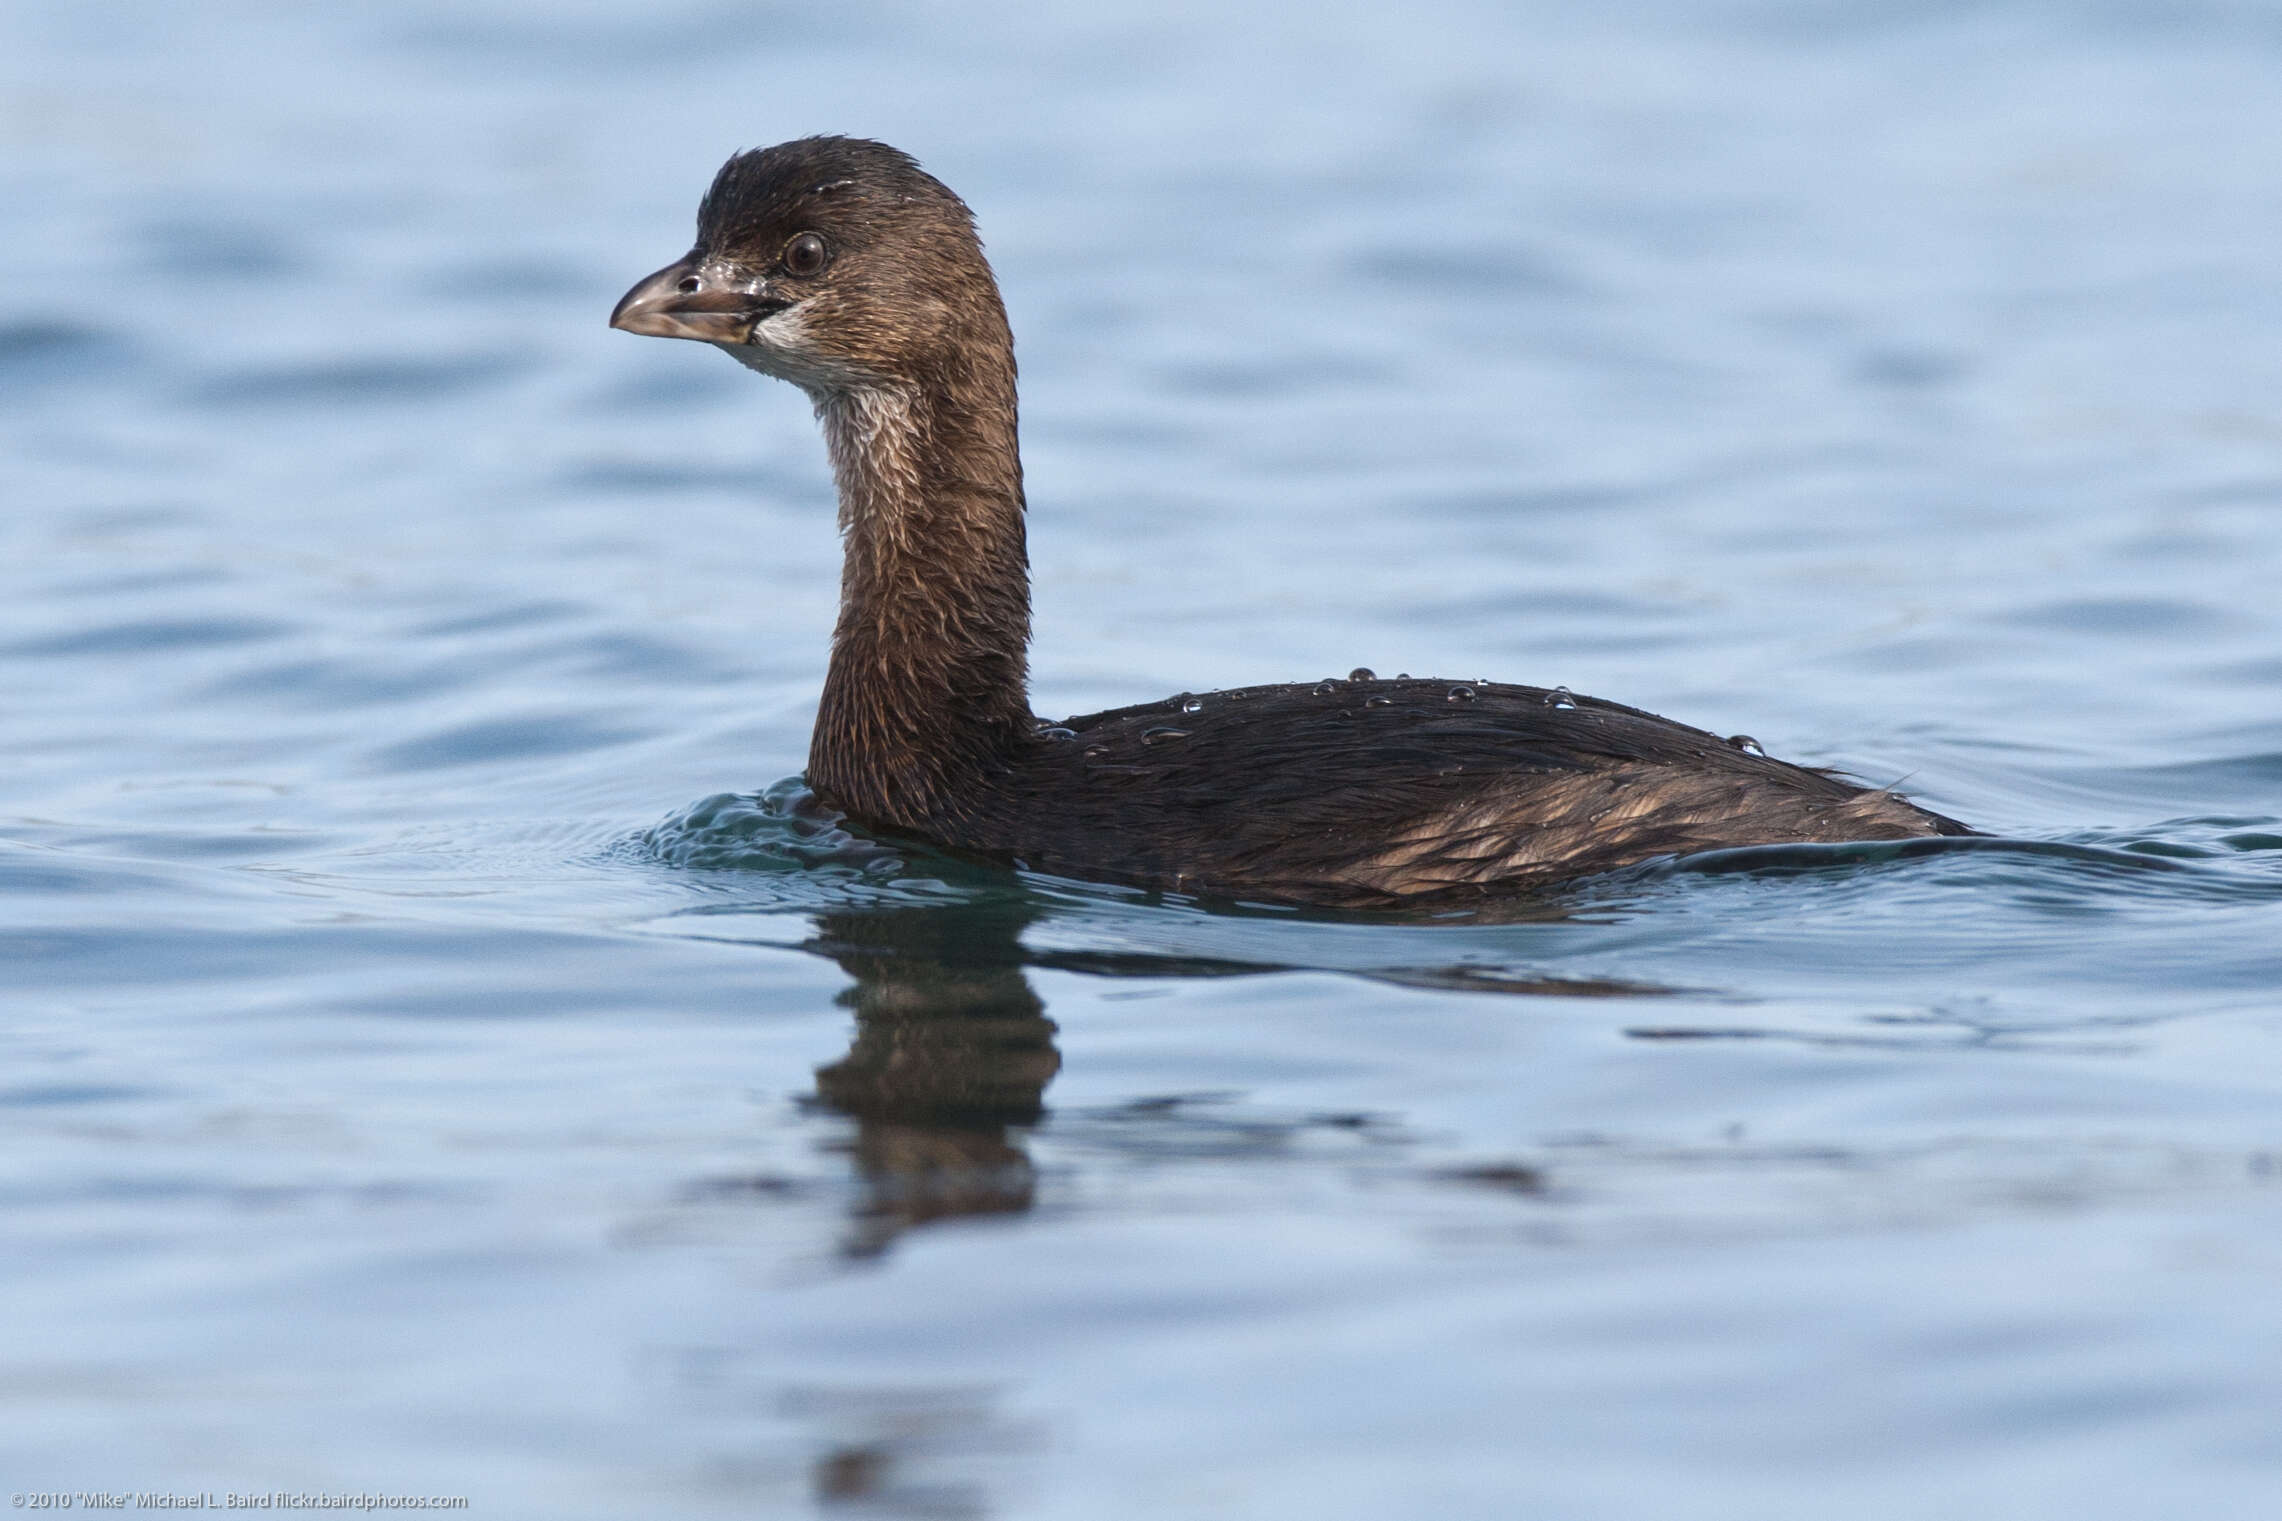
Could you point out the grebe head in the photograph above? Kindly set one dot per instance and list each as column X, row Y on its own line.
column 836, row 263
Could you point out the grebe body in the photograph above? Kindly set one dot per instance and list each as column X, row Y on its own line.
column 839, row 265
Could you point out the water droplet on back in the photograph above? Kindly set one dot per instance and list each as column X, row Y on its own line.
column 1193, row 705
column 1560, row 697
column 1162, row 735
column 1327, row 689
column 1378, row 702
column 1461, row 694
column 1362, row 673
column 1056, row 732
column 1746, row 744
column 1096, row 752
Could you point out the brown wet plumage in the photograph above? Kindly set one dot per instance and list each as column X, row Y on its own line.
column 840, row 265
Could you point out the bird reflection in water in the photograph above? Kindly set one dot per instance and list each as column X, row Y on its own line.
column 951, row 1056
column 953, row 1049
column 947, row 1069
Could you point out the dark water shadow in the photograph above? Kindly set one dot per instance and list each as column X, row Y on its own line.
column 2200, row 860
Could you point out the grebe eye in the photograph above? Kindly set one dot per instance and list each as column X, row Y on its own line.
column 688, row 286
column 805, row 254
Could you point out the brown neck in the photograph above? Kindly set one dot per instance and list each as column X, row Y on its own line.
column 926, row 697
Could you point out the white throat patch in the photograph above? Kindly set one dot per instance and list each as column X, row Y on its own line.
column 783, row 348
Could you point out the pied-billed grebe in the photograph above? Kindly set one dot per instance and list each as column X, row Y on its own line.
column 840, row 265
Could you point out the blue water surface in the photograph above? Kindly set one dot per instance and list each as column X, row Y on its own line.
column 447, row 1054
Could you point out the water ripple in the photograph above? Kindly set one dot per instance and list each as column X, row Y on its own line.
column 502, row 739
column 331, row 383
column 154, row 636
